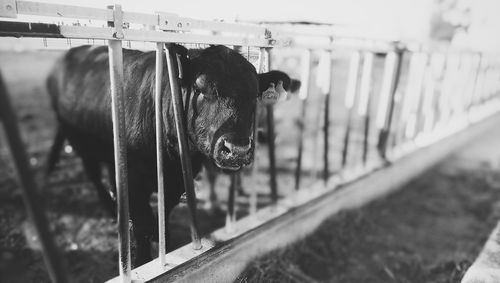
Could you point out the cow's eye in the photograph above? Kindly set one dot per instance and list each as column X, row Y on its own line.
column 207, row 96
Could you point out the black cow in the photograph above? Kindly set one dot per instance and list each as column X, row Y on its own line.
column 222, row 88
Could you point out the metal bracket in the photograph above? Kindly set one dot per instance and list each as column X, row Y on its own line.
column 8, row 8
column 117, row 22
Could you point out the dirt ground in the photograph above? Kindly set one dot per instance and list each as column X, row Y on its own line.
column 88, row 238
column 430, row 231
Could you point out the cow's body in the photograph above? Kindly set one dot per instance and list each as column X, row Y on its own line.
column 223, row 87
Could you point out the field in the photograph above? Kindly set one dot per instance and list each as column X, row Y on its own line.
column 88, row 236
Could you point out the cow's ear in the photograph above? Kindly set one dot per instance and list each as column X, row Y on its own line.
column 273, row 86
column 182, row 61
column 295, row 85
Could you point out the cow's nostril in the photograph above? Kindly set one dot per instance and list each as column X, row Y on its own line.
column 224, row 149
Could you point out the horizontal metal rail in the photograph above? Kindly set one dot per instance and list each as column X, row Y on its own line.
column 18, row 29
column 165, row 21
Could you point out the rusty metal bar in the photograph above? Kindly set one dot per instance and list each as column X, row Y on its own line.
column 34, row 207
column 305, row 78
column 172, row 64
column 392, row 75
column 352, row 85
column 162, row 249
column 120, row 144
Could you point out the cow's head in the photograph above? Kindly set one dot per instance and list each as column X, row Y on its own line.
column 224, row 88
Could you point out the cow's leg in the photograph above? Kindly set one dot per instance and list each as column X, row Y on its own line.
column 93, row 170
column 143, row 222
column 174, row 188
column 141, row 183
column 170, row 204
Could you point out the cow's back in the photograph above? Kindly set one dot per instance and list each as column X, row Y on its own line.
column 79, row 86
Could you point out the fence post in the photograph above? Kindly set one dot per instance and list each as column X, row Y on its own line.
column 391, row 81
column 34, row 206
column 119, row 142
column 187, row 174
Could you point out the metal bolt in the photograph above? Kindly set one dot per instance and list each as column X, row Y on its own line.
column 179, row 25
column 8, row 7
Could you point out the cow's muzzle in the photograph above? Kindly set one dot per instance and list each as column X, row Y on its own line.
column 232, row 155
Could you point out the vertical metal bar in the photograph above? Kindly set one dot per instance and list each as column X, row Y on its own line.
column 365, row 101
column 427, row 114
column 230, row 217
column 385, row 92
column 34, row 207
column 407, row 98
column 187, row 173
column 442, row 91
column 393, row 63
column 325, row 83
column 119, row 143
column 159, row 154
column 120, row 152
column 415, row 100
column 272, row 153
column 446, row 98
column 466, row 78
column 261, row 68
column 477, row 70
column 255, row 165
column 271, row 136
column 305, row 78
column 352, row 85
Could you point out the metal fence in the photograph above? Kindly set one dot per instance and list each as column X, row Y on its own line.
column 425, row 95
